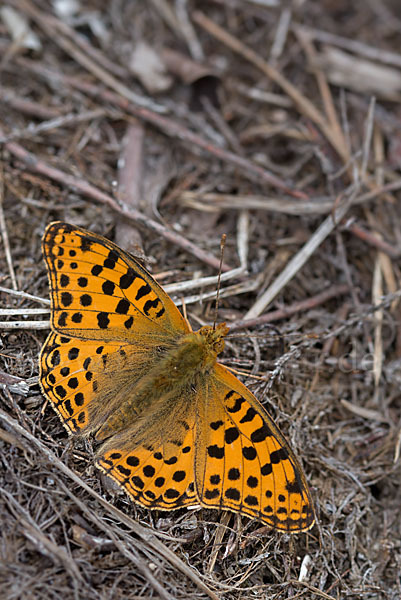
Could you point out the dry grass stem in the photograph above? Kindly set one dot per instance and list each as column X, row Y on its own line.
column 276, row 126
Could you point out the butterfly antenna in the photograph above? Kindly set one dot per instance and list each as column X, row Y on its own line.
column 222, row 244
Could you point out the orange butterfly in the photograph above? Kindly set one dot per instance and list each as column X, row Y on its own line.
column 178, row 428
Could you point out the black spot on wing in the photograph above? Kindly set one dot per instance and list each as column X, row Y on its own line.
column 278, row 455
column 150, row 304
column 179, row 476
column 73, row 353
column 238, row 402
column 231, row 434
column 215, row 451
column 212, row 494
column 232, row 494
column 251, row 500
column 79, row 399
column 123, row 306
column 294, row 487
column 249, row 415
column 108, row 287
column 260, row 435
column 96, row 270
column 267, row 469
column 62, row 319
column 103, row 320
column 127, row 279
column 148, row 470
column 252, row 481
column 110, row 261
column 128, row 323
column 86, row 244
column 171, row 494
column 66, row 299
column 55, row 358
column 64, row 280
column 85, row 300
column 144, row 290
column 233, row 474
column 249, row 452
column 137, row 482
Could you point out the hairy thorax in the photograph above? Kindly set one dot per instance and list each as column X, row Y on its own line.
column 192, row 355
column 176, row 373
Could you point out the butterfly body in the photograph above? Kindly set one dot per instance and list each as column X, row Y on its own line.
column 172, row 376
column 178, row 429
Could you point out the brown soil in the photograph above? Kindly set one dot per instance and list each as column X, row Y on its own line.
column 270, row 136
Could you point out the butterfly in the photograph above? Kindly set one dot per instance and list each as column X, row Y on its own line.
column 177, row 428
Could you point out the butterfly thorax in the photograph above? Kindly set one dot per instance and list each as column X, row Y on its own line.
column 193, row 354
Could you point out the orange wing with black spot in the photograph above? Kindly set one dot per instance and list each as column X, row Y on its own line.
column 159, row 476
column 98, row 291
column 86, row 380
column 243, row 463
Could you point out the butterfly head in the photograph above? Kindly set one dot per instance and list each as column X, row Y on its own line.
column 214, row 337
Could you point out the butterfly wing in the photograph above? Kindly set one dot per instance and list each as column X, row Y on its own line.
column 153, row 459
column 109, row 317
column 243, row 463
column 100, row 292
column 159, row 476
column 87, row 380
column 75, row 377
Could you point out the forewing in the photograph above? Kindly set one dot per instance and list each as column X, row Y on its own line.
column 243, row 463
column 98, row 291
